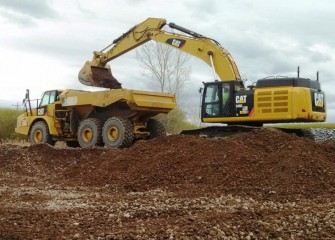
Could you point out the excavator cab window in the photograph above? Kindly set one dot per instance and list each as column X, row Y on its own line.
column 212, row 100
column 218, row 99
column 226, row 98
column 225, row 94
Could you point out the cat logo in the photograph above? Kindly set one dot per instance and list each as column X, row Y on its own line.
column 178, row 43
column 318, row 99
column 241, row 99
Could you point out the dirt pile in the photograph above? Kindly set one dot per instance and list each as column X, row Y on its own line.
column 260, row 163
column 263, row 184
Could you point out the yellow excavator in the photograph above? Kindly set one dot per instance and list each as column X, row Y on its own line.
column 226, row 99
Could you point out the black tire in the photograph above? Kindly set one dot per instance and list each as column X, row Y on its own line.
column 72, row 144
column 89, row 133
column 118, row 132
column 156, row 128
column 39, row 134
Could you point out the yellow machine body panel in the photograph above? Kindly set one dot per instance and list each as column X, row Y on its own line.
column 274, row 105
column 285, row 104
column 144, row 100
column 27, row 119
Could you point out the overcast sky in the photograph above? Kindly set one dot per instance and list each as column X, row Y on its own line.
column 44, row 44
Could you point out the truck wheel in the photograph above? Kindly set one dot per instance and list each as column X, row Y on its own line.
column 156, row 128
column 89, row 133
column 118, row 132
column 39, row 133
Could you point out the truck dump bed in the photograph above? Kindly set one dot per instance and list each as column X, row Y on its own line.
column 136, row 100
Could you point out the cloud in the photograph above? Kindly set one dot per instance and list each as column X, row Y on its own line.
column 321, row 53
column 20, row 19
column 207, row 8
column 39, row 9
column 26, row 13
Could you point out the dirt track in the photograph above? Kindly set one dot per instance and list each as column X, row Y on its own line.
column 263, row 184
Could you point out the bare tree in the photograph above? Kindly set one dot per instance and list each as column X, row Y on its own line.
column 166, row 68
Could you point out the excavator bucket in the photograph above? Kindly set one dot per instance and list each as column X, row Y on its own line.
column 98, row 77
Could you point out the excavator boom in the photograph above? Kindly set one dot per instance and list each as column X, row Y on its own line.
column 97, row 73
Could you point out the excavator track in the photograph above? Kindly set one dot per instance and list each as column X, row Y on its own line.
column 219, row 132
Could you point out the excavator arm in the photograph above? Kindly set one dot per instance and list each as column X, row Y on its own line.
column 97, row 73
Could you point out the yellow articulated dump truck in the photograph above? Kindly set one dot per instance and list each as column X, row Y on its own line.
column 111, row 118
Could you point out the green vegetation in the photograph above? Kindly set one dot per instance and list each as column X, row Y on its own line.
column 8, row 123
column 175, row 121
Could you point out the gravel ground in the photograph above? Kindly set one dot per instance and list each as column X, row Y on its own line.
column 53, row 212
column 322, row 134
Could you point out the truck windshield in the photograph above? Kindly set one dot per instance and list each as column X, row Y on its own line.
column 48, row 97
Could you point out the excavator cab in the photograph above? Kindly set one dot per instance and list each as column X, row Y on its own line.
column 218, row 98
column 271, row 100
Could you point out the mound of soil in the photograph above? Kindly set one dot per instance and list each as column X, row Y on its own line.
column 264, row 184
column 260, row 163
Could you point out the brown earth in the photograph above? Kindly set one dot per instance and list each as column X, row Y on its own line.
column 262, row 184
